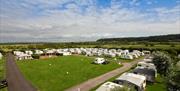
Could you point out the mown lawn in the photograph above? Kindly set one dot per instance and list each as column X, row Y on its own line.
column 51, row 74
column 159, row 85
column 2, row 68
column 2, row 72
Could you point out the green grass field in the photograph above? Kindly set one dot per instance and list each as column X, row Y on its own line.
column 2, row 71
column 54, row 77
column 159, row 85
column 2, row 68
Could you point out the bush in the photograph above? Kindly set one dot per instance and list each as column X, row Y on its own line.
column 174, row 78
column 151, row 44
column 59, row 54
column 174, row 82
column 146, row 45
column 35, row 56
column 172, row 45
column 163, row 62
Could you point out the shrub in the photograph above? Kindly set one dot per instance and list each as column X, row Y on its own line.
column 36, row 56
column 163, row 62
column 151, row 44
column 172, row 45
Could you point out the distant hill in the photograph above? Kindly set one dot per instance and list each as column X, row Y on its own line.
column 159, row 38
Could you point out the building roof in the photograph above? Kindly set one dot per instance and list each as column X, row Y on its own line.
column 99, row 58
column 24, row 55
column 149, row 73
column 108, row 86
column 146, row 65
column 147, row 60
column 133, row 78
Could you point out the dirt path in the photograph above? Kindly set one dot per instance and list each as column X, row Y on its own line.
column 91, row 83
column 16, row 81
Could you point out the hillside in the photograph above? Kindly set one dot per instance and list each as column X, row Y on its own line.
column 159, row 38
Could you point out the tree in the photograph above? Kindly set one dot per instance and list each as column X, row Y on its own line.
column 151, row 44
column 163, row 62
column 172, row 45
column 174, row 78
column 146, row 44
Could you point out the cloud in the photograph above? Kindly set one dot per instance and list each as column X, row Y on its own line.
column 81, row 20
column 134, row 2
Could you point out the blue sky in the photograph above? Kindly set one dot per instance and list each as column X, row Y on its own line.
column 86, row 20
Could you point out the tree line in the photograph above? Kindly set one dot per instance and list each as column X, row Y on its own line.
column 159, row 38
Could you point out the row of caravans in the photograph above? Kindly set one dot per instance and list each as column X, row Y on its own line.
column 125, row 54
column 28, row 54
column 137, row 78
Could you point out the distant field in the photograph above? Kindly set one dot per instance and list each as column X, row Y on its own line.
column 51, row 74
column 143, row 46
column 10, row 47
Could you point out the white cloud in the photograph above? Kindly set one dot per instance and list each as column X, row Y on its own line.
column 71, row 24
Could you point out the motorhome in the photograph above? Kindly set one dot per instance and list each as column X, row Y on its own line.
column 99, row 61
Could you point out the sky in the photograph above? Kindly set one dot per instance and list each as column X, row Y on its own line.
column 86, row 20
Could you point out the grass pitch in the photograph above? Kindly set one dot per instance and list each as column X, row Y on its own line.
column 60, row 73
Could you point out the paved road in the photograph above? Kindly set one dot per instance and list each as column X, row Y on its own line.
column 86, row 86
column 16, row 81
